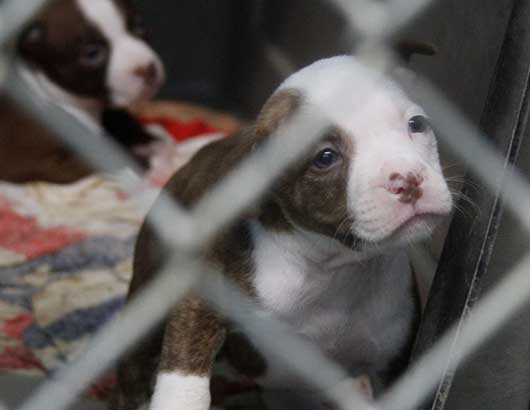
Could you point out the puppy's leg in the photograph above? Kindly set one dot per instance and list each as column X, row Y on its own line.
column 194, row 334
column 135, row 373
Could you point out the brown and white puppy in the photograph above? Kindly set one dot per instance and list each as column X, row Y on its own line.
column 91, row 58
column 323, row 249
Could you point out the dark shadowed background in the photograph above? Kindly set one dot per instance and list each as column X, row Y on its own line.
column 216, row 51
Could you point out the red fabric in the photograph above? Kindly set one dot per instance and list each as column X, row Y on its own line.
column 181, row 131
column 15, row 327
column 19, row 357
column 23, row 235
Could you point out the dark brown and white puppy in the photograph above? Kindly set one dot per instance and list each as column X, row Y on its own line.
column 322, row 251
column 90, row 57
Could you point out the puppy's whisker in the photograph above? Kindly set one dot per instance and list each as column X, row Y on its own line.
column 449, row 166
column 337, row 231
column 465, row 198
column 465, row 182
column 461, row 209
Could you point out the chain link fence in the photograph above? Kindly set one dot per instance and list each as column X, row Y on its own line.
column 375, row 22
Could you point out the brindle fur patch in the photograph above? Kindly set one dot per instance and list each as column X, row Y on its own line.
column 194, row 334
column 316, row 199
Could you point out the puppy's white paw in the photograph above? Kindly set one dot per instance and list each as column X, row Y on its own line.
column 178, row 391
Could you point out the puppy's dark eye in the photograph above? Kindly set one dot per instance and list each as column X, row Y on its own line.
column 93, row 55
column 418, row 124
column 325, row 158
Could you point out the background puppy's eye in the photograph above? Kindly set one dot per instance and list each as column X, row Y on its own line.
column 93, row 55
column 419, row 123
column 325, row 158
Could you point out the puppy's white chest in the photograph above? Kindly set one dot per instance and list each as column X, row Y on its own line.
column 358, row 314
column 302, row 296
column 281, row 278
column 298, row 290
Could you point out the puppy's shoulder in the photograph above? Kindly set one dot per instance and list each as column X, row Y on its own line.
column 208, row 166
column 231, row 247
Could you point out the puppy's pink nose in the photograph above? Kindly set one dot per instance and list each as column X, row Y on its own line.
column 147, row 72
column 408, row 187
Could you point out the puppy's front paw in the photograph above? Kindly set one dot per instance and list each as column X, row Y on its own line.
column 178, row 391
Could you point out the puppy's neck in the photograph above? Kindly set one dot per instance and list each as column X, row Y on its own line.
column 314, row 247
column 304, row 247
column 86, row 110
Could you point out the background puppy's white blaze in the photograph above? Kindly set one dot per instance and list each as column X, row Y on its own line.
column 105, row 16
column 178, row 391
column 127, row 52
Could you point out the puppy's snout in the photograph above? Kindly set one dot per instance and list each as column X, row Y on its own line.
column 407, row 187
column 148, row 73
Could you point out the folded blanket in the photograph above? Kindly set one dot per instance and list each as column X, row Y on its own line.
column 66, row 256
column 65, row 264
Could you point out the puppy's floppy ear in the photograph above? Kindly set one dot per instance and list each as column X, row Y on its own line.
column 31, row 40
column 406, row 48
column 278, row 109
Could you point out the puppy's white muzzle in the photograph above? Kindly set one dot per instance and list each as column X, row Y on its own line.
column 135, row 73
column 403, row 189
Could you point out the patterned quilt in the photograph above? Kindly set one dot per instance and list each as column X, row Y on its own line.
column 66, row 259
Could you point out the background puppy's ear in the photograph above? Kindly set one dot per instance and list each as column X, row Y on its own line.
column 31, row 41
column 406, row 48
